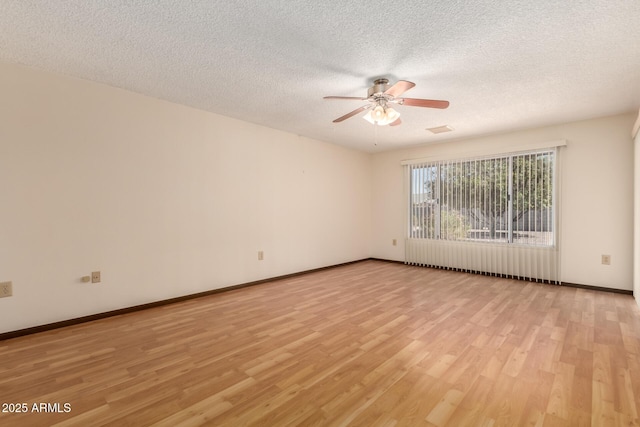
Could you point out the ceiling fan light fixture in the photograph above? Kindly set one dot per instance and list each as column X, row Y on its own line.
column 378, row 113
column 381, row 116
column 369, row 117
column 392, row 115
column 378, row 117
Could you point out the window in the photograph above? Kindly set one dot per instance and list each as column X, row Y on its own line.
column 506, row 199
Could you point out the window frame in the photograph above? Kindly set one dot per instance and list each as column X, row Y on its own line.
column 552, row 217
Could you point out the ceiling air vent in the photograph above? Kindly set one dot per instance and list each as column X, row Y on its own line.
column 440, row 129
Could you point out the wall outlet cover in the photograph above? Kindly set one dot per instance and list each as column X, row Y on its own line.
column 6, row 289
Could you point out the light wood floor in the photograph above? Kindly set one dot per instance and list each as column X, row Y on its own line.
column 368, row 344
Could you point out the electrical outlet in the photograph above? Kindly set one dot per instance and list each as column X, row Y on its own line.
column 394, row 242
column 6, row 289
column 260, row 255
column 606, row 259
column 95, row 277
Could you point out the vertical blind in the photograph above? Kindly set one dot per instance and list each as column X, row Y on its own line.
column 493, row 215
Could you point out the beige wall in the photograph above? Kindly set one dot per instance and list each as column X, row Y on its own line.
column 164, row 200
column 168, row 201
column 597, row 195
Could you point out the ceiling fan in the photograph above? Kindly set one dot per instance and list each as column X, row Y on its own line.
column 380, row 95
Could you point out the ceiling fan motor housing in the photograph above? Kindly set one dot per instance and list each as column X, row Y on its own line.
column 379, row 86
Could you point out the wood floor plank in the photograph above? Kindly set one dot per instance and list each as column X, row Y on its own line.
column 367, row 344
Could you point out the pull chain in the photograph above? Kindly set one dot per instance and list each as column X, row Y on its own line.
column 375, row 135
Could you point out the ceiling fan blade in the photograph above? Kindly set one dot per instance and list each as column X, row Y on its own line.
column 345, row 97
column 429, row 103
column 351, row 114
column 399, row 88
column 396, row 122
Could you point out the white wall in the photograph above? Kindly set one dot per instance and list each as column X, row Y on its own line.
column 164, row 200
column 597, row 195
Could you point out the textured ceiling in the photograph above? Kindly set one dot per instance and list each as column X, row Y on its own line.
column 502, row 65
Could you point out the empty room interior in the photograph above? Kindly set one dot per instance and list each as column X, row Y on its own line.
column 319, row 214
